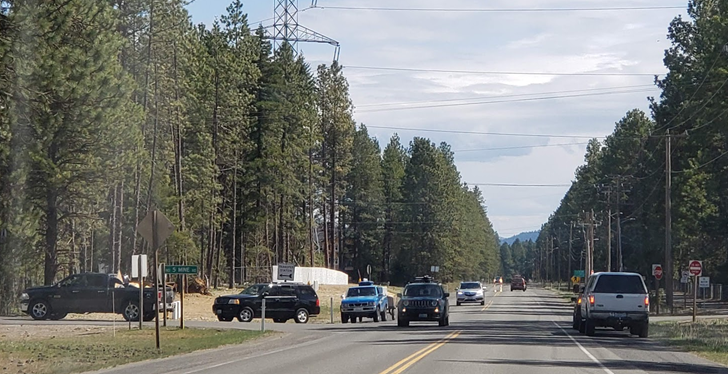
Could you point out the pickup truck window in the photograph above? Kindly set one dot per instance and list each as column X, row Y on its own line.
column 620, row 284
column 97, row 280
column 77, row 280
column 361, row 291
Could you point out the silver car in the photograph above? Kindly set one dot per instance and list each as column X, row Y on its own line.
column 470, row 292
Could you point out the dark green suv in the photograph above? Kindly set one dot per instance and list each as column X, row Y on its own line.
column 423, row 300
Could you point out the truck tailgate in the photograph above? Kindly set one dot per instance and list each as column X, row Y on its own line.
column 610, row 302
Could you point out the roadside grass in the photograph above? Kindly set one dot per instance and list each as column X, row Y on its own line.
column 74, row 354
column 705, row 338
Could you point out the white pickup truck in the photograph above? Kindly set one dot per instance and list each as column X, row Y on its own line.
column 616, row 300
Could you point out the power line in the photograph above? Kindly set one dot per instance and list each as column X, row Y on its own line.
column 518, row 147
column 517, row 185
column 490, row 133
column 504, row 96
column 504, row 101
column 485, row 72
column 701, row 165
column 503, row 10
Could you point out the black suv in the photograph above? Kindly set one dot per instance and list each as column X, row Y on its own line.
column 423, row 300
column 283, row 301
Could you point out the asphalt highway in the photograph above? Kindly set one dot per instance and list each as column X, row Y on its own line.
column 515, row 332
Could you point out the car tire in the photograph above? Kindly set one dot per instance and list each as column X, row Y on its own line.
column 148, row 317
column 590, row 328
column 301, row 316
column 344, row 318
column 644, row 330
column 582, row 325
column 402, row 323
column 224, row 319
column 245, row 314
column 383, row 316
column 57, row 316
column 458, row 303
column 353, row 319
column 575, row 322
column 376, row 315
column 131, row 311
column 39, row 309
column 482, row 302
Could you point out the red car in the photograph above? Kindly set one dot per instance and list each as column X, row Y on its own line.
column 518, row 283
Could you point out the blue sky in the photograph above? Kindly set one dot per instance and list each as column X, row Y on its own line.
column 563, row 42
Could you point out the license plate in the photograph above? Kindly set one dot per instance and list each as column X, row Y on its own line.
column 219, row 311
column 423, row 315
column 358, row 309
column 619, row 315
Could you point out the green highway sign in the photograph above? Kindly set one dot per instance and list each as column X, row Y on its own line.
column 579, row 273
column 180, row 269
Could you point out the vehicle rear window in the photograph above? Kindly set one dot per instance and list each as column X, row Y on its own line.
column 361, row 291
column 619, row 284
column 307, row 291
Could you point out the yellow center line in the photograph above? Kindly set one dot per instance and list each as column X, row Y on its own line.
column 405, row 363
column 489, row 303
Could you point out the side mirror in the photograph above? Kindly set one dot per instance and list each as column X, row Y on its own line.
column 399, row 295
column 264, row 294
column 342, row 296
column 447, row 294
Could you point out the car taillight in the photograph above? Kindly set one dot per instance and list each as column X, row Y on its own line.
column 318, row 302
column 578, row 301
column 647, row 301
column 591, row 299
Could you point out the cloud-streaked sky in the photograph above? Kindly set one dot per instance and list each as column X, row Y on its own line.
column 626, row 41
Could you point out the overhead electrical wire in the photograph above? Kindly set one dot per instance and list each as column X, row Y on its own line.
column 493, row 72
column 491, row 133
column 518, row 147
column 505, row 101
column 504, row 10
column 517, row 185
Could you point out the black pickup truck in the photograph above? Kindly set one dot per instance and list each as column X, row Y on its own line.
column 90, row 293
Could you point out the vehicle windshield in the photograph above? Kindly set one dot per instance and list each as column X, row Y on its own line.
column 256, row 289
column 630, row 284
column 470, row 286
column 424, row 290
column 361, row 291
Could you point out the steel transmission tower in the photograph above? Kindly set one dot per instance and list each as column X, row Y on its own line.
column 286, row 29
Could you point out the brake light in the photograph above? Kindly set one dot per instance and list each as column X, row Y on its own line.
column 647, row 301
column 578, row 301
column 591, row 299
column 318, row 302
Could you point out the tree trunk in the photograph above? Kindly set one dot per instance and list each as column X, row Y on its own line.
column 327, row 250
column 177, row 136
column 112, row 229
column 51, row 237
column 120, row 222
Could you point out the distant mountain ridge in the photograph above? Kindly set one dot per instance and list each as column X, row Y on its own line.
column 524, row 237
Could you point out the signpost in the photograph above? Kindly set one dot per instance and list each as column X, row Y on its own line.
column 696, row 269
column 139, row 271
column 435, row 269
column 155, row 228
column 286, row 272
column 579, row 273
column 180, row 269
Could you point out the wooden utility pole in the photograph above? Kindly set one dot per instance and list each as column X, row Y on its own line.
column 568, row 258
column 668, row 220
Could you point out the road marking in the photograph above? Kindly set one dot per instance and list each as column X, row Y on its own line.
column 587, row 353
column 410, row 360
column 489, row 303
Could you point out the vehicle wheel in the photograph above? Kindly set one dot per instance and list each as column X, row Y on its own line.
column 589, row 328
column 353, row 319
column 245, row 314
column 361, row 319
column 301, row 315
column 376, row 315
column 148, row 317
column 279, row 320
column 511, row 289
column 224, row 319
column 402, row 322
column 575, row 322
column 459, row 303
column 57, row 316
column 344, row 318
column 131, row 311
column 482, row 302
column 524, row 290
column 39, row 309
column 442, row 321
column 383, row 316
column 644, row 330
column 582, row 326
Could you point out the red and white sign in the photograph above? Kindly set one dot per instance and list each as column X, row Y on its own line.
column 657, row 271
column 696, row 268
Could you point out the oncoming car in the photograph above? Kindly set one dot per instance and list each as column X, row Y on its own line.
column 470, row 292
column 423, row 300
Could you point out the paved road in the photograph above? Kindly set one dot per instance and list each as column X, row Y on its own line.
column 516, row 332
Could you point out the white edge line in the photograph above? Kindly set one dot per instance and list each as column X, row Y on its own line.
column 591, row 356
column 204, row 368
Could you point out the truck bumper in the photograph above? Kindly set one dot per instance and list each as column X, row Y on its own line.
column 419, row 315
column 367, row 311
column 617, row 319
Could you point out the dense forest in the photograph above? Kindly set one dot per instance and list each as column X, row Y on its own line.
column 111, row 109
column 625, row 174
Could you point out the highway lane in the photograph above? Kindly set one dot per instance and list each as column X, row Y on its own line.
column 516, row 332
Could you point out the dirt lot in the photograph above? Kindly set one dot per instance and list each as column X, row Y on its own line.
column 199, row 307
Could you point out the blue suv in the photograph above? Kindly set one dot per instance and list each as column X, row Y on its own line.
column 365, row 300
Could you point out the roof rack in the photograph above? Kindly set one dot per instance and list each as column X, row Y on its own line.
column 424, row 279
